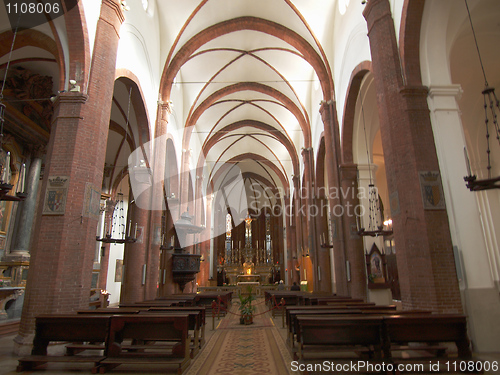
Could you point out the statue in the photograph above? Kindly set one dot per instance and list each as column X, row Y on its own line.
column 248, row 266
column 248, row 231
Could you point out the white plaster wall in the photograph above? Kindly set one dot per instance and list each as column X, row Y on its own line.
column 92, row 9
column 138, row 51
column 468, row 212
column 351, row 46
column 115, row 252
column 464, row 215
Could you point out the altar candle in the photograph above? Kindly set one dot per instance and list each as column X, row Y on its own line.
column 129, row 225
column 105, row 229
column 7, row 169
column 135, row 232
column 22, row 177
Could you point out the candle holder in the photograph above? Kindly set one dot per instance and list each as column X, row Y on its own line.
column 108, row 239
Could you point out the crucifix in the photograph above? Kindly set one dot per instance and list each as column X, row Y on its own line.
column 248, row 231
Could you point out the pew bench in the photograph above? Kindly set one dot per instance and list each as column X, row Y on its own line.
column 293, row 325
column 426, row 329
column 89, row 332
column 147, row 339
column 120, row 339
column 202, row 317
column 194, row 326
column 358, row 334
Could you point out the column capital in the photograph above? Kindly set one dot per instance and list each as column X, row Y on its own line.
column 325, row 110
column 166, row 107
column 376, row 10
column 446, row 90
column 408, row 91
column 306, row 151
column 113, row 10
column 365, row 170
column 349, row 171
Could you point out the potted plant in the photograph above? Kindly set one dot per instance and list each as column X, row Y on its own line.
column 246, row 308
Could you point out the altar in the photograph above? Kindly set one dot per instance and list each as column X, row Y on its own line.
column 250, row 263
column 247, row 278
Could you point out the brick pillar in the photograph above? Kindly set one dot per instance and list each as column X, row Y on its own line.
column 204, row 275
column 298, row 240
column 62, row 258
column 322, row 237
column 353, row 242
column 158, row 204
column 332, row 157
column 134, row 255
column 310, row 211
column 424, row 256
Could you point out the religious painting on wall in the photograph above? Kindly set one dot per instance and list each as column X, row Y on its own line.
column 376, row 266
column 119, row 271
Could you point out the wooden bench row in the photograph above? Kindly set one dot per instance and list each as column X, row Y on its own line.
column 378, row 334
column 143, row 337
column 204, row 299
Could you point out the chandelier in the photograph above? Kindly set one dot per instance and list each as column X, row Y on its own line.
column 117, row 232
column 491, row 112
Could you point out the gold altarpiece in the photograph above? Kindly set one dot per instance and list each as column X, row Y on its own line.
column 248, row 264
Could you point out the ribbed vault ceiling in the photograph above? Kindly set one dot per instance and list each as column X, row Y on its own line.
column 240, row 75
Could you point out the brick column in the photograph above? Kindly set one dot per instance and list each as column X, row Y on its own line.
column 158, row 204
column 424, row 256
column 310, row 210
column 298, row 240
column 134, row 255
column 204, row 275
column 353, row 242
column 332, row 157
column 62, row 258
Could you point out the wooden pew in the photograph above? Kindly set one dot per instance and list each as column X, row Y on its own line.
column 348, row 306
column 196, row 322
column 189, row 299
column 321, row 311
column 194, row 325
column 292, row 322
column 427, row 329
column 353, row 333
column 71, row 328
column 144, row 332
column 201, row 309
column 289, row 298
column 206, row 299
column 112, row 310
